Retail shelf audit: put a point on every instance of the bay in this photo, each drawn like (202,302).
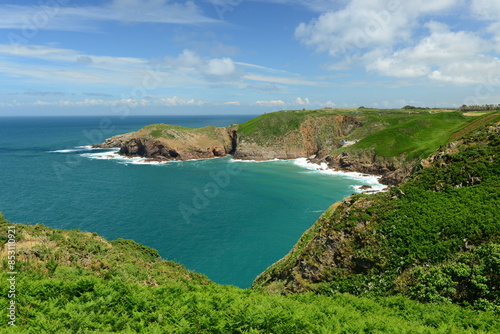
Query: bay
(226,219)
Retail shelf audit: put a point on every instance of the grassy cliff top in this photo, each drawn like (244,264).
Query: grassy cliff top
(77,282)
(390,133)
(435,238)
(169,131)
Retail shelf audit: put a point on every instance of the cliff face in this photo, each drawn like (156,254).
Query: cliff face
(166,142)
(314,136)
(326,250)
(432,238)
(325,139)
(388,143)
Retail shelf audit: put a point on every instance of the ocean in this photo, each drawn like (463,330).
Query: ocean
(223,218)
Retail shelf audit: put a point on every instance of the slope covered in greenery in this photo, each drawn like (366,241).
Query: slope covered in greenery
(436,238)
(414,138)
(390,132)
(387,142)
(76,282)
(423,257)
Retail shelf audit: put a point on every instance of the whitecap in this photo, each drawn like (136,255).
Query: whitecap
(65,151)
(108,154)
(258,161)
(112,154)
(89,148)
(368,180)
(76,149)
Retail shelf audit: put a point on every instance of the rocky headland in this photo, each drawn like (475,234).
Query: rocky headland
(170,142)
(391,144)
(321,136)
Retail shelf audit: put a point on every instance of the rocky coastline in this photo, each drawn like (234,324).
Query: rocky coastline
(321,139)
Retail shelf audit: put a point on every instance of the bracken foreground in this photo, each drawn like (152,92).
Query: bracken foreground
(423,257)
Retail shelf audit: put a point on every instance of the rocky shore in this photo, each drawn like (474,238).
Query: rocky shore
(319,139)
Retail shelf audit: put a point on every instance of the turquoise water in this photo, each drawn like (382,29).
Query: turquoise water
(226,219)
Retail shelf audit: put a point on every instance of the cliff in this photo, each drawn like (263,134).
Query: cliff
(389,143)
(434,238)
(291,135)
(67,281)
(166,142)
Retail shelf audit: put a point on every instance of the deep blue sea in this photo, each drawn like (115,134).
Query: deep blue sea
(226,219)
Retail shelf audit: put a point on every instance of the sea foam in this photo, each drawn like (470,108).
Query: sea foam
(76,149)
(369,180)
(112,154)
(257,161)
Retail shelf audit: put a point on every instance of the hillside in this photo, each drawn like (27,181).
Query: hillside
(436,238)
(389,143)
(423,257)
(166,142)
(77,282)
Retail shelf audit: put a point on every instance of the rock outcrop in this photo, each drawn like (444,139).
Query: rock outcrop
(168,142)
(116,141)
(316,136)
(392,171)
(324,250)
(322,136)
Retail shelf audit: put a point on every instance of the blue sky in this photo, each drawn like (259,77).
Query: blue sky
(68,57)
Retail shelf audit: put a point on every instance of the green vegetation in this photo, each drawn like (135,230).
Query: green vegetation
(169,131)
(75,282)
(270,126)
(436,238)
(411,133)
(423,257)
(414,137)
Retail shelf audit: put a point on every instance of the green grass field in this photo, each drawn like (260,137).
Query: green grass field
(74,282)
(415,137)
(432,245)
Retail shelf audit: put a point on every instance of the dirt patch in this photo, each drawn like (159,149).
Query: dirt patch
(473,113)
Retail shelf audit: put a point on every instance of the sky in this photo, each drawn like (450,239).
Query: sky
(88,57)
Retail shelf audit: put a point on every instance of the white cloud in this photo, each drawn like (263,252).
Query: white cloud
(486,9)
(220,67)
(54,16)
(70,56)
(232,103)
(444,56)
(366,24)
(299,101)
(66,66)
(386,39)
(215,69)
(173,101)
(270,103)
(282,80)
